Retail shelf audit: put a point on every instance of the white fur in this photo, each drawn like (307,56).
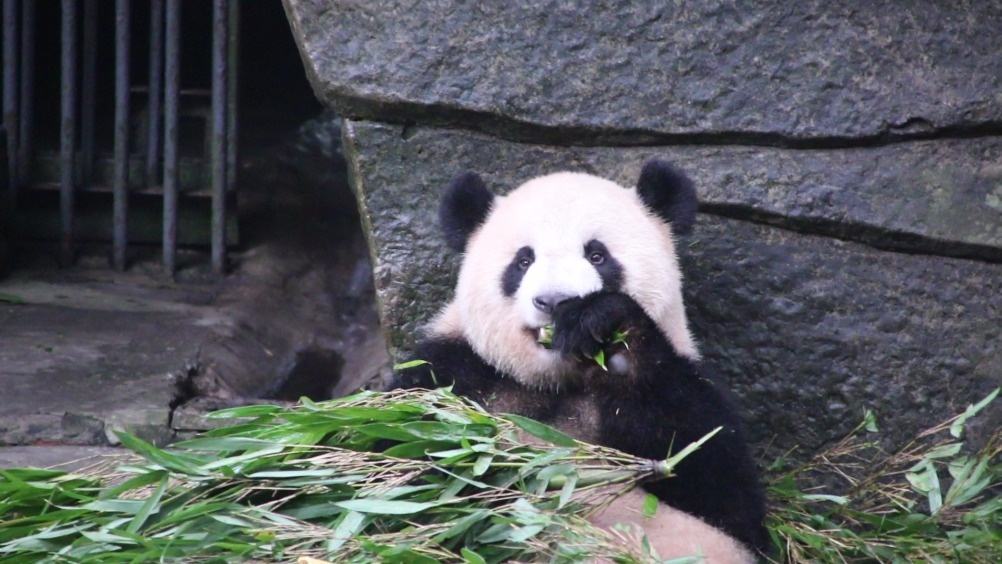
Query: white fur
(673,533)
(557,215)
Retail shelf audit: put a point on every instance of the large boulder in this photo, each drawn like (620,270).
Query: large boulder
(848,157)
(629,72)
(808,330)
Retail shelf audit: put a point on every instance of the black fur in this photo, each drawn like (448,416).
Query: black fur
(512,276)
(665,401)
(611,271)
(668,192)
(464,207)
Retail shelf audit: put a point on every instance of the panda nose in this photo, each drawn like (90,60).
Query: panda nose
(546,303)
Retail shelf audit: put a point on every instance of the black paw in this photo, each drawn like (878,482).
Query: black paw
(584,326)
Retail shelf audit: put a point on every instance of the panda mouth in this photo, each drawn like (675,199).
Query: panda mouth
(542,335)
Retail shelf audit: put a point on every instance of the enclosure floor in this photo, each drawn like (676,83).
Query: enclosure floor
(86,350)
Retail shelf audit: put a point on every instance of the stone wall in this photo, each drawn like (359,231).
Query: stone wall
(848,156)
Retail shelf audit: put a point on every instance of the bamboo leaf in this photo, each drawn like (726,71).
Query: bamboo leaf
(149,506)
(410,364)
(384,507)
(673,460)
(471,557)
(541,430)
(650,505)
(957,427)
(350,525)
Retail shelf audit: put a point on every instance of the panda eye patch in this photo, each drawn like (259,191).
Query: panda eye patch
(511,278)
(608,268)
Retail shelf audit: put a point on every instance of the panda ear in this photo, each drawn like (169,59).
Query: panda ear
(464,207)
(669,193)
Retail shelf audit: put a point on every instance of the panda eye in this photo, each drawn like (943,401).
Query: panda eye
(524,263)
(596,258)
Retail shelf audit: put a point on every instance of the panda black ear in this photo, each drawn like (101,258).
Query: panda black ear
(669,193)
(465,205)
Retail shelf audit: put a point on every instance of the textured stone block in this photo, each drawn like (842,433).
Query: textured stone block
(629,72)
(808,330)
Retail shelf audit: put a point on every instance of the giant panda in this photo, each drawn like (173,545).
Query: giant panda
(589,258)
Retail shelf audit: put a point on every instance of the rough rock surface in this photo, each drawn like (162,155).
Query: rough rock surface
(939,196)
(820,326)
(848,156)
(808,331)
(633,72)
(917,196)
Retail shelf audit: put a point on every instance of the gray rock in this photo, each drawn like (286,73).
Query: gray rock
(584,72)
(67,458)
(807,330)
(938,197)
(942,197)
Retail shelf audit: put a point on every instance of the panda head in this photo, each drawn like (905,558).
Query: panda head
(556,237)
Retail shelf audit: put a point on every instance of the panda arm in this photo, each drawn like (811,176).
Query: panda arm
(448,362)
(665,402)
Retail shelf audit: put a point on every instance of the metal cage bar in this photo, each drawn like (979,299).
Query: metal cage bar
(232,91)
(27,93)
(10,108)
(220,31)
(68,125)
(145,158)
(154,91)
(120,188)
(88,106)
(171,103)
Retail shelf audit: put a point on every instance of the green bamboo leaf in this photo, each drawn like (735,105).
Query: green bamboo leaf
(522,534)
(567,490)
(957,427)
(870,421)
(471,557)
(840,500)
(169,461)
(349,526)
(151,505)
(541,430)
(673,460)
(482,464)
(385,431)
(225,444)
(317,473)
(463,524)
(245,411)
(11,299)
(384,507)
(416,449)
(140,481)
(599,359)
(410,364)
(650,505)
(127,506)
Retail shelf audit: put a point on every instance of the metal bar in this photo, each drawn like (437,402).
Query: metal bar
(27,91)
(67,126)
(154,90)
(172,99)
(88,105)
(10,92)
(232,91)
(120,182)
(218,147)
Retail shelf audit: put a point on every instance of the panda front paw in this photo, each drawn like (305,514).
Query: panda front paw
(584,326)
